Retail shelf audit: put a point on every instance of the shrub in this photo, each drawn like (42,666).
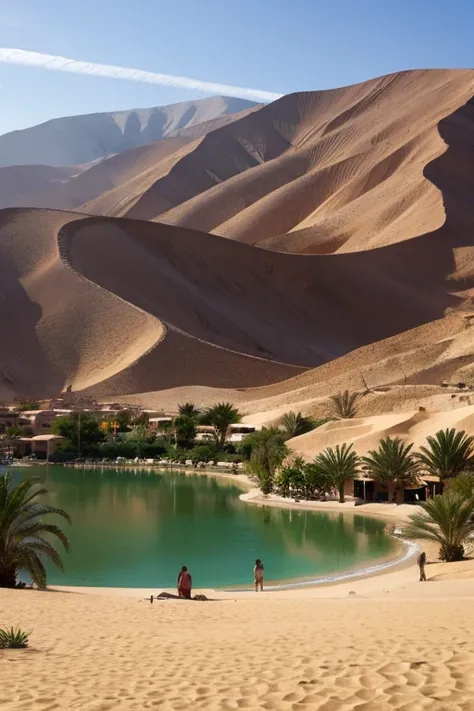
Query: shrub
(28,405)
(13,638)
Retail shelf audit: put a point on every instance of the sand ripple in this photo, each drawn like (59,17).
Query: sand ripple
(99,653)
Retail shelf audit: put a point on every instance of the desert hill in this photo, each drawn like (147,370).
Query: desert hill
(316,172)
(200,310)
(80,139)
(320,172)
(175,299)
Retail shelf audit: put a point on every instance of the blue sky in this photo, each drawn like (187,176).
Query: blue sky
(275,45)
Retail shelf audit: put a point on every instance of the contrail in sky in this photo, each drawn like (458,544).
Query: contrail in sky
(63,64)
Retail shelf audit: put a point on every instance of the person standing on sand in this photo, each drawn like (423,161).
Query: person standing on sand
(421,564)
(258,575)
(185,583)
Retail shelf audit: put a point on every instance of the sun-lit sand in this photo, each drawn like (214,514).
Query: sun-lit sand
(371,186)
(380,642)
(394,644)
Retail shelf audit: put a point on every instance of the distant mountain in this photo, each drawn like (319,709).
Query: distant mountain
(82,139)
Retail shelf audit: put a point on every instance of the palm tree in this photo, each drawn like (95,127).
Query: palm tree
(189,409)
(343,405)
(447,519)
(185,430)
(337,465)
(295,424)
(266,451)
(22,545)
(221,416)
(448,453)
(392,464)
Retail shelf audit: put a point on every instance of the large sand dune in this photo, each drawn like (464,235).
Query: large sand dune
(171,307)
(159,312)
(341,170)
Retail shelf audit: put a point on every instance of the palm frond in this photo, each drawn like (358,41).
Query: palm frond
(343,405)
(22,527)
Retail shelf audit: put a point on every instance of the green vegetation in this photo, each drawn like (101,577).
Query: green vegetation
(393,465)
(343,405)
(446,519)
(22,530)
(14,431)
(189,409)
(337,465)
(448,453)
(295,424)
(303,480)
(28,405)
(463,485)
(131,448)
(220,417)
(185,430)
(81,431)
(264,452)
(13,638)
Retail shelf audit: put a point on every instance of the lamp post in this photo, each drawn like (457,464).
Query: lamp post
(79,434)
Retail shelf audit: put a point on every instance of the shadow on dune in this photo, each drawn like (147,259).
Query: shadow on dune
(280,309)
(302,310)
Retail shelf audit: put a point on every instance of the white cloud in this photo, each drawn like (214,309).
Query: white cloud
(63,64)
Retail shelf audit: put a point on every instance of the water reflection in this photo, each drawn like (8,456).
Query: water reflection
(136,529)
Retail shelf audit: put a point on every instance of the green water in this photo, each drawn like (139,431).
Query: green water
(137,528)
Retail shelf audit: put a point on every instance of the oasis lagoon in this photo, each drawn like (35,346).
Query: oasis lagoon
(136,528)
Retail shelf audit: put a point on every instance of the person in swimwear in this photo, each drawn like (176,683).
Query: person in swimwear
(185,583)
(258,575)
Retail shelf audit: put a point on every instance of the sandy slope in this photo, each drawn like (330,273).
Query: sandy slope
(108,184)
(383,315)
(85,305)
(62,329)
(366,432)
(35,185)
(340,170)
(396,374)
(247,310)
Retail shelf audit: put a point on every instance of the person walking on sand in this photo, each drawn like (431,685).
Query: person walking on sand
(421,564)
(258,575)
(185,583)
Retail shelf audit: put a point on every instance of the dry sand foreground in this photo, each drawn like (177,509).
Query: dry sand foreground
(393,645)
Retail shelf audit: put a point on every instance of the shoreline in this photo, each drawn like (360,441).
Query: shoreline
(387,566)
(252,495)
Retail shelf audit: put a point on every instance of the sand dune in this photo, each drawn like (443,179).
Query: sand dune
(341,170)
(113,174)
(35,186)
(395,374)
(376,310)
(366,432)
(269,311)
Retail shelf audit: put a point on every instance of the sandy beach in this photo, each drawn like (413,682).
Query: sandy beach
(387,642)
(378,642)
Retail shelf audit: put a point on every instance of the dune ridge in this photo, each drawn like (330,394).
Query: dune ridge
(317,172)
(205,316)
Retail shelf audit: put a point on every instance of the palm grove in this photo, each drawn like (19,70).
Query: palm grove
(26,538)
